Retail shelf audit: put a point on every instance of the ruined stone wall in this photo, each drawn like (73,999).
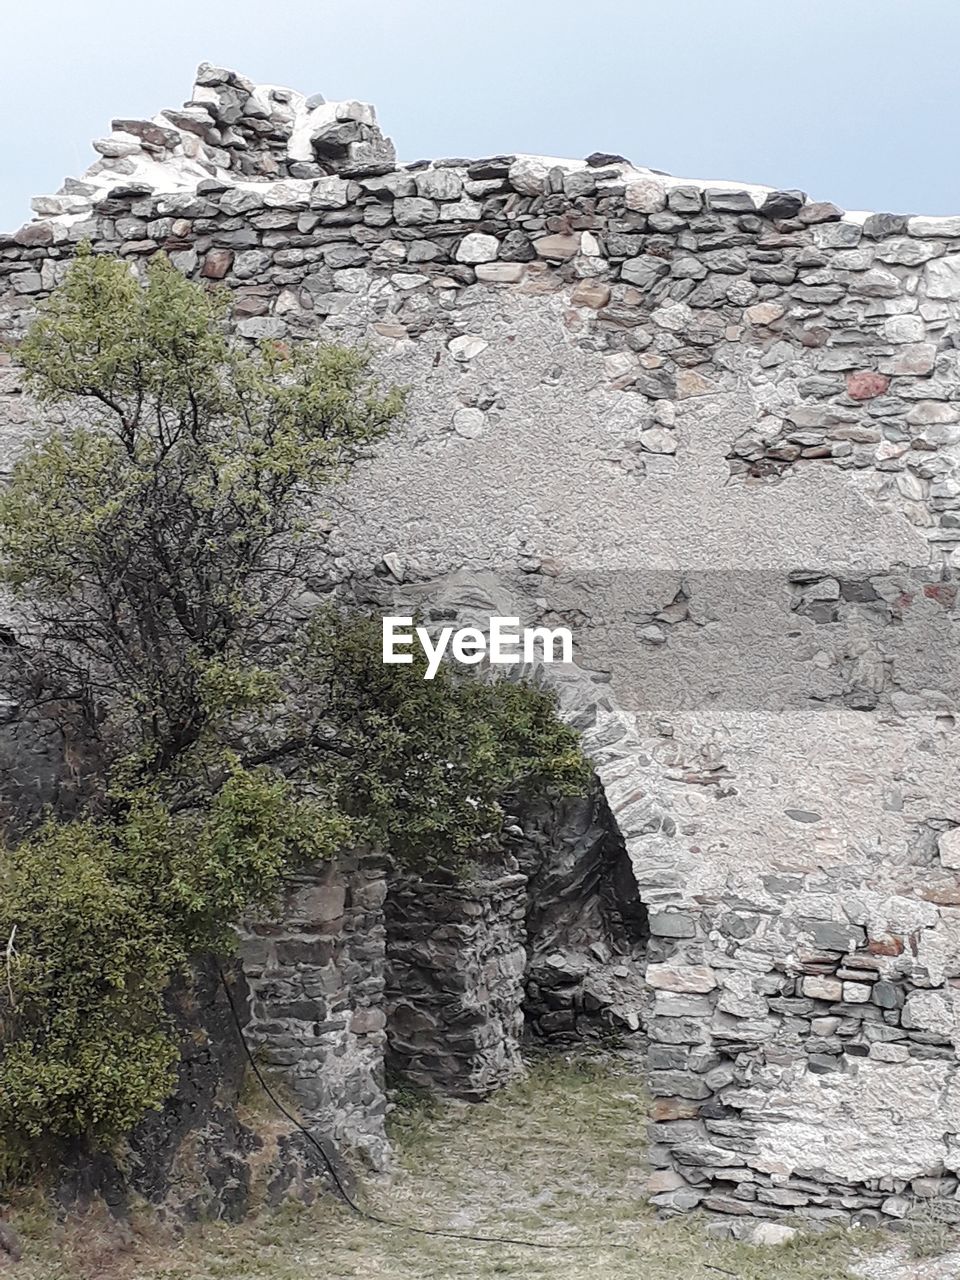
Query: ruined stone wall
(315,969)
(716,430)
(456,960)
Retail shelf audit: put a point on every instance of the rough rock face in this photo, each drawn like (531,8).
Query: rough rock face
(587,929)
(456,957)
(716,431)
(198,1158)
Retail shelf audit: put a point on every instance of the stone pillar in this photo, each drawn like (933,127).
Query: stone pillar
(455,975)
(316,976)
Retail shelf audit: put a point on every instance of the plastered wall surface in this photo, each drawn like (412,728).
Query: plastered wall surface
(714,429)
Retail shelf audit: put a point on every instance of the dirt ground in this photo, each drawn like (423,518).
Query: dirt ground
(556,1160)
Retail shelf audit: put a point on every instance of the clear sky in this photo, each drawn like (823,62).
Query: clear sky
(856,101)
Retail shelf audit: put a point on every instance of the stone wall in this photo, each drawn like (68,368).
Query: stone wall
(456,960)
(716,430)
(315,971)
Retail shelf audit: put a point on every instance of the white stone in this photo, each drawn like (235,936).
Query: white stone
(528,174)
(856,992)
(292,193)
(770,1234)
(904,329)
(439,184)
(466,347)
(589,245)
(911,486)
(675,317)
(913,359)
(948,228)
(465,210)
(469,423)
(478,247)
(843,1122)
(646,195)
(361,112)
(405,281)
(329,193)
(932,1011)
(619,362)
(586,267)
(942,277)
(656,440)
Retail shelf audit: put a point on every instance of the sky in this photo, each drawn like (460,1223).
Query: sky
(855,101)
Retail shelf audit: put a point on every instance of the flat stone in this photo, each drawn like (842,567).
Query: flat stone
(914,360)
(764,313)
(931,412)
(644,271)
(560,247)
(819,211)
(501,272)
(329,193)
(671,924)
(837,935)
(944,228)
(693,978)
(155,135)
(726,200)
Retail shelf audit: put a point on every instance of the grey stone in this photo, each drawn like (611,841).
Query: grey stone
(783,204)
(644,271)
(415,211)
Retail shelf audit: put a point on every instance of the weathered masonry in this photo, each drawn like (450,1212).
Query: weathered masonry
(715,430)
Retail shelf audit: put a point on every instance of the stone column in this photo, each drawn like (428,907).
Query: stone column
(455,975)
(316,976)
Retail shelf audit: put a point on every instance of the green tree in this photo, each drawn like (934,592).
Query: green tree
(157,538)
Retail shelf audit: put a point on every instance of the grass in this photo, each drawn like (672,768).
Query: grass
(557,1158)
(932,1228)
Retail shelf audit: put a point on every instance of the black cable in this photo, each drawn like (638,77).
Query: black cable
(388,1222)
